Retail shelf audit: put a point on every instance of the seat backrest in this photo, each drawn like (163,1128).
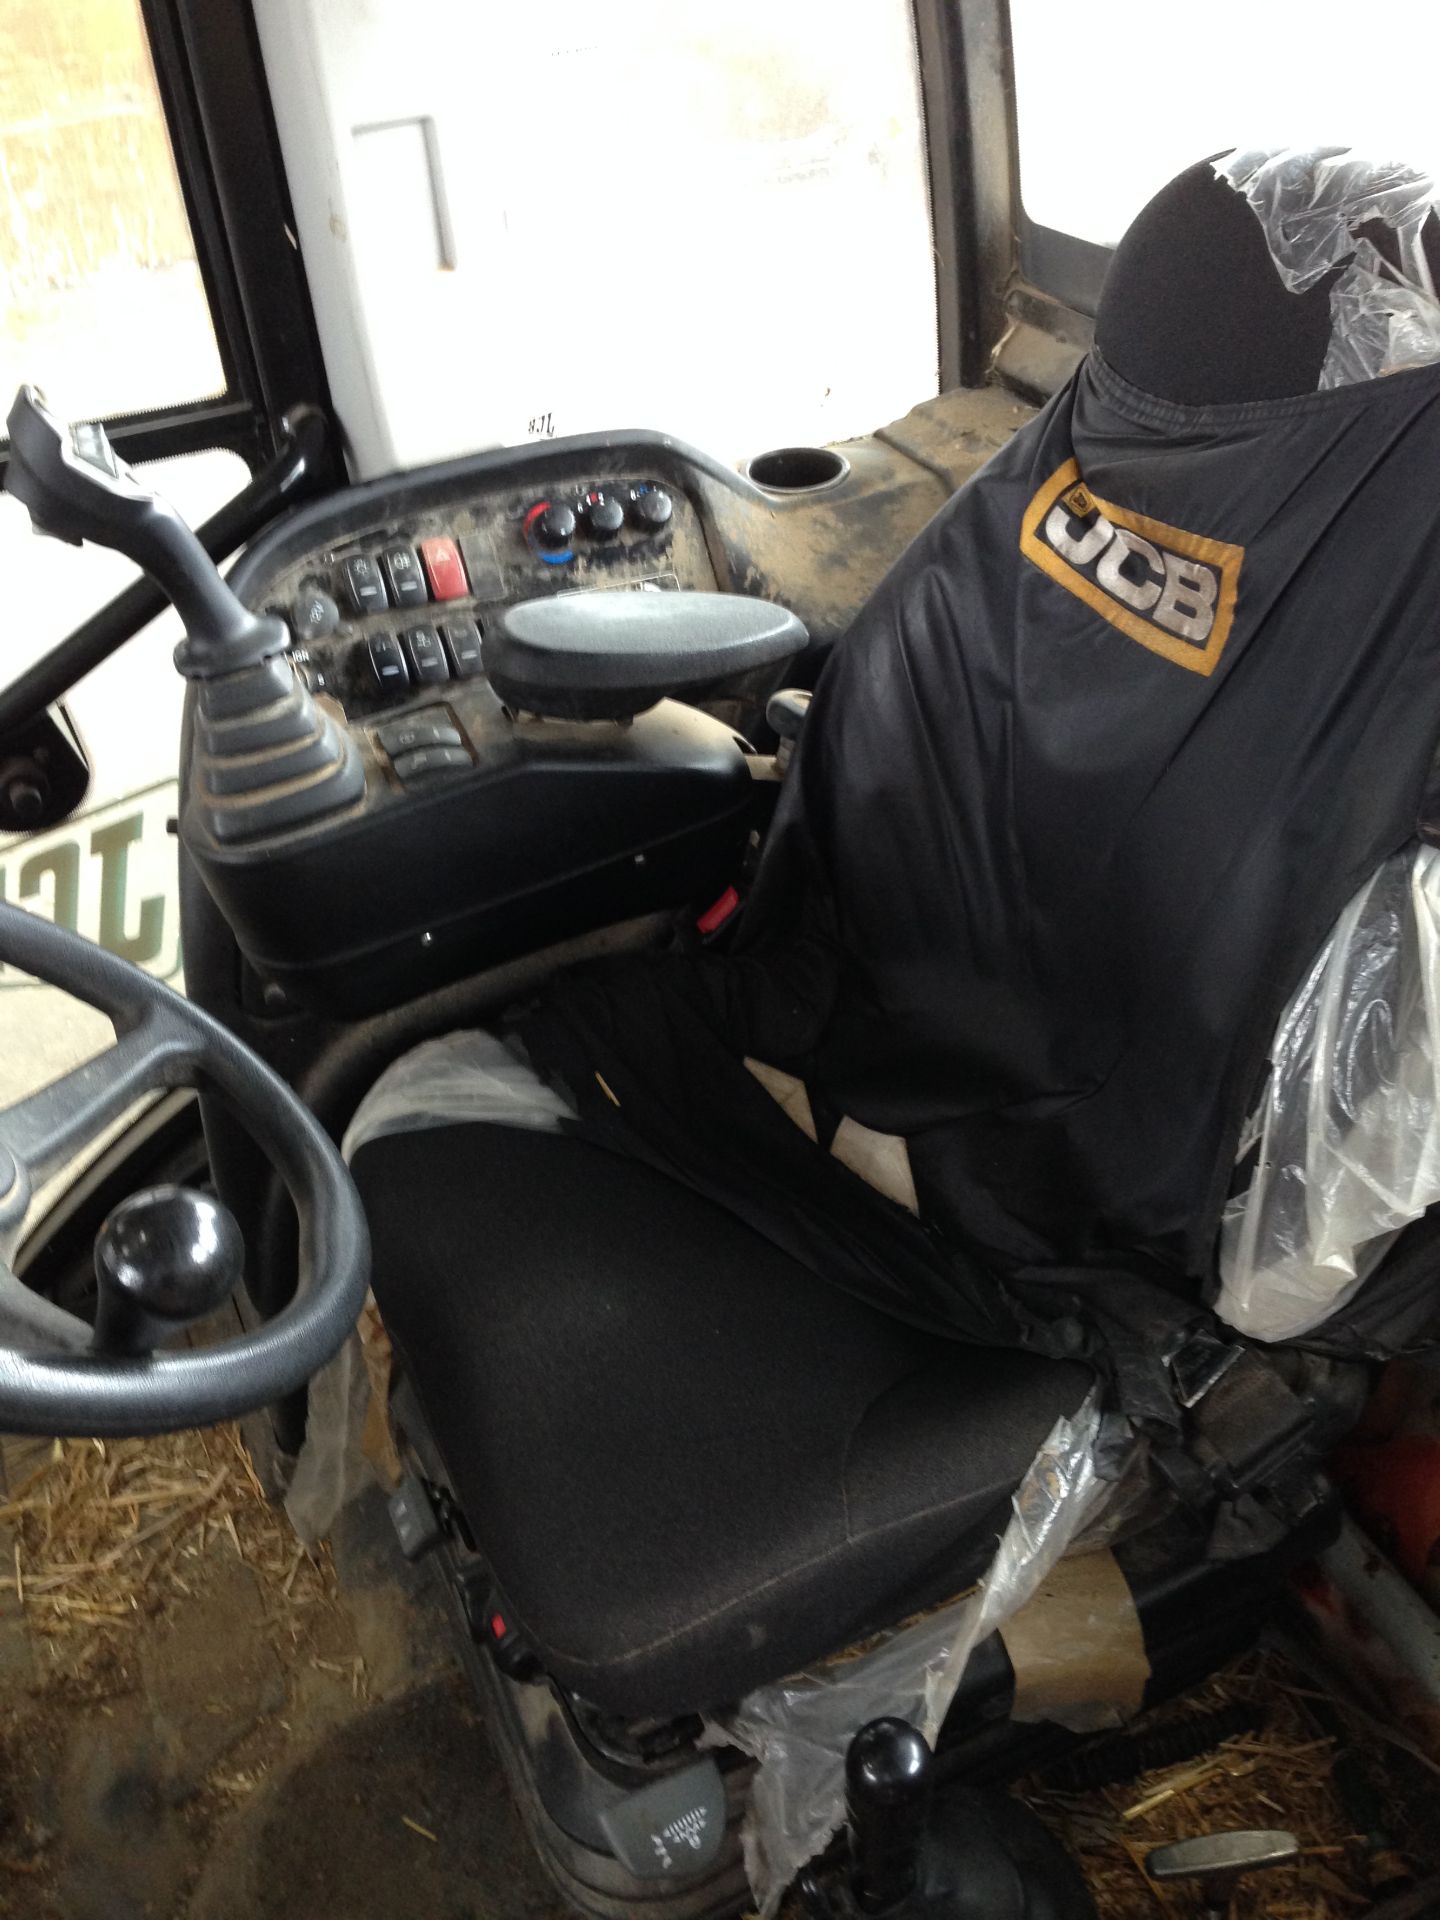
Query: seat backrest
(1096,770)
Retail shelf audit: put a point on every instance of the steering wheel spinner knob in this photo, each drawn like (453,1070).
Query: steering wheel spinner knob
(164,1259)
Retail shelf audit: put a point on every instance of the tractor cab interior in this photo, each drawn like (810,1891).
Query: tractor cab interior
(789,1057)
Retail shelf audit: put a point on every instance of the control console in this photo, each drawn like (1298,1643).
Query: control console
(483,829)
(399,610)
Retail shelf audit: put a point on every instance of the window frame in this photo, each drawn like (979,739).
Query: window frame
(1015,302)
(968,92)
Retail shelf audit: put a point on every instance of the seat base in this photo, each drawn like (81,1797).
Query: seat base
(562,1786)
(691,1465)
(1195,1614)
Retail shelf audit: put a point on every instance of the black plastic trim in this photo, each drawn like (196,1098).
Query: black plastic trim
(1070,270)
(968,86)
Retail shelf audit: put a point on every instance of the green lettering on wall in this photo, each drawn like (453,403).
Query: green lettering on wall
(62,864)
(113,844)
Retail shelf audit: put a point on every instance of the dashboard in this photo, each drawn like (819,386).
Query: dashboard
(468,833)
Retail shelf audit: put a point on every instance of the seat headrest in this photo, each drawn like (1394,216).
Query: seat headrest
(1265,273)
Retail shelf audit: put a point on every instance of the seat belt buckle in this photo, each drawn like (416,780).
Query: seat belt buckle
(1201,1360)
(1245,1431)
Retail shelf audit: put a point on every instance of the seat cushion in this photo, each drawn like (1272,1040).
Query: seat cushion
(691,1465)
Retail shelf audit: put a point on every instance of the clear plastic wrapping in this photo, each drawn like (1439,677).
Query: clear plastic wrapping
(469,1075)
(1348,1129)
(1312,203)
(799,1729)
(348,1445)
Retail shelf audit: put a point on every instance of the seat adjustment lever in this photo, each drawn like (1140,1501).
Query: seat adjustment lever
(1219,1861)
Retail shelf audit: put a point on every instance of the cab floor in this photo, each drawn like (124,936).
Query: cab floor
(199,1723)
(229,1755)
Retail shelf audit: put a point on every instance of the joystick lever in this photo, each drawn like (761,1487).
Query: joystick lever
(163,1260)
(266,759)
(77,488)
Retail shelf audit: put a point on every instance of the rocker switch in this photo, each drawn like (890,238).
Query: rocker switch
(401,567)
(387,663)
(428,662)
(462,643)
(364,587)
(444,568)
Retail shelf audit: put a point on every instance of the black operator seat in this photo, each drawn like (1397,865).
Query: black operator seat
(692,1463)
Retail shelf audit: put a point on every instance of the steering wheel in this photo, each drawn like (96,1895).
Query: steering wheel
(164,1258)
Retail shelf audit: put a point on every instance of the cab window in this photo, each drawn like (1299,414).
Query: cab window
(105,308)
(1142,92)
(714,222)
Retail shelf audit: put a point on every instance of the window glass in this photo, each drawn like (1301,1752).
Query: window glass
(101,301)
(710,220)
(1113,104)
(110,871)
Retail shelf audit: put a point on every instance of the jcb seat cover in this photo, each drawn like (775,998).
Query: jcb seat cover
(1079,795)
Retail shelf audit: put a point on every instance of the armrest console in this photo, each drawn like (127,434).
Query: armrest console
(608,656)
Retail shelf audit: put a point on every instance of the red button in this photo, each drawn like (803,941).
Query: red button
(444,568)
(715,917)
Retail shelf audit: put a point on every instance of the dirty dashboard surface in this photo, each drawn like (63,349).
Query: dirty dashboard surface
(493,833)
(630,509)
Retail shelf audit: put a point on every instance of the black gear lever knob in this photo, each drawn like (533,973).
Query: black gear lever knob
(888,1780)
(164,1259)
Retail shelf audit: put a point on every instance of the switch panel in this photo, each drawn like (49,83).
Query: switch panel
(397,609)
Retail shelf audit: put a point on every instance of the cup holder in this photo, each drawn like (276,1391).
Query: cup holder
(797,469)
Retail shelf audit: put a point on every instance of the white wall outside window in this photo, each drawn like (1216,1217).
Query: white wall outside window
(1115,101)
(524,221)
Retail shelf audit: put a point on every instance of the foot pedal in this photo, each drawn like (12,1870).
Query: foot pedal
(672,1829)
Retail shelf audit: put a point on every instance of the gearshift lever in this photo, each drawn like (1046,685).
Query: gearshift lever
(887,1798)
(163,1259)
(266,759)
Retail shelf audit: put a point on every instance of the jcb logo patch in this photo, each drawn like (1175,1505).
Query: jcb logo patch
(1172,591)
